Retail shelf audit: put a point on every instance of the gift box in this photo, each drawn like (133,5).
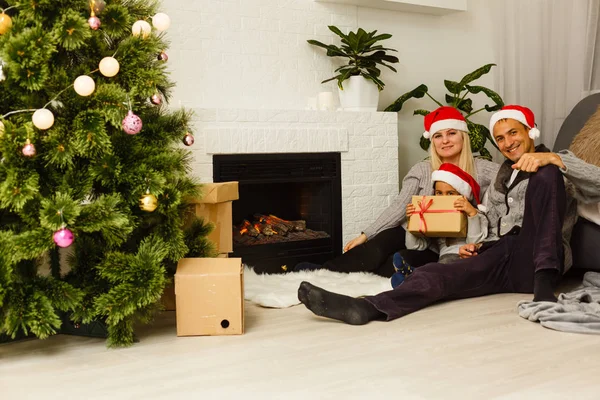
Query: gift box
(210,296)
(215,206)
(436,216)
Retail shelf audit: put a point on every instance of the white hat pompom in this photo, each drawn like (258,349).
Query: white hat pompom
(534,133)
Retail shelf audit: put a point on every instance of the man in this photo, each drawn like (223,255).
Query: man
(527,249)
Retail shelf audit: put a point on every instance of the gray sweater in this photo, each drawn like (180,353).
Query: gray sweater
(418,183)
(506,206)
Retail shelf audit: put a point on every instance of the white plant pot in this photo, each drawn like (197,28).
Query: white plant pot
(359,94)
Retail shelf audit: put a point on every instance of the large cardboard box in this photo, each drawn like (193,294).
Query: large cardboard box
(441,219)
(210,296)
(215,206)
(168,297)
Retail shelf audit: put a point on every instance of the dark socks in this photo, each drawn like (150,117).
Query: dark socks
(544,284)
(353,311)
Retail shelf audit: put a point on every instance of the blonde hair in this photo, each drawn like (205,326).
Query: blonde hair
(465,161)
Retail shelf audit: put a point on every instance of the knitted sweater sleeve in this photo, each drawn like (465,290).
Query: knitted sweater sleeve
(486,173)
(395,214)
(477,228)
(585,177)
(413,242)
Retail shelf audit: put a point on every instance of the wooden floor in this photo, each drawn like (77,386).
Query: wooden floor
(469,349)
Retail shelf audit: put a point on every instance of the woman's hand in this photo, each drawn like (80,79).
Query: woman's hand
(410,210)
(357,241)
(463,205)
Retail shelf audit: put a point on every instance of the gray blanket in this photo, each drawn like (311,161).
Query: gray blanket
(577,311)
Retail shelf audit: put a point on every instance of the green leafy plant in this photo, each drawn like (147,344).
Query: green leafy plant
(459,97)
(362,54)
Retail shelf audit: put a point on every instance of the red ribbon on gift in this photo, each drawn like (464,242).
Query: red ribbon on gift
(424,208)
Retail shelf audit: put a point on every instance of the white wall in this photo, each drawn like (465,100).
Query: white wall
(253,54)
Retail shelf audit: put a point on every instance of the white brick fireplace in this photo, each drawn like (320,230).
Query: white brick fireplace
(367,141)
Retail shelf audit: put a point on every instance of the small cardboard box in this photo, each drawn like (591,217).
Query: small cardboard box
(450,223)
(214,193)
(210,296)
(221,216)
(215,207)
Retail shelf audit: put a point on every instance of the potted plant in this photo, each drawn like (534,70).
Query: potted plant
(359,80)
(459,97)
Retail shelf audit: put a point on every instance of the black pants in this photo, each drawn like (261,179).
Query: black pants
(505,266)
(376,255)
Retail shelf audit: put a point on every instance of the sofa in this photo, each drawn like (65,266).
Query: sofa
(585,241)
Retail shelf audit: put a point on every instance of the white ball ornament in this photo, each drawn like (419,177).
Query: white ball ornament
(84,85)
(141,28)
(43,118)
(161,22)
(109,67)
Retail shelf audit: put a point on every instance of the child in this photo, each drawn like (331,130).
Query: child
(449,180)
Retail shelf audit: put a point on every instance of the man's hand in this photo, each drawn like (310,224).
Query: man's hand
(463,205)
(355,242)
(469,250)
(410,210)
(531,162)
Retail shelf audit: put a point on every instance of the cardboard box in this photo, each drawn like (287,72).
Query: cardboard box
(213,193)
(210,296)
(220,215)
(451,223)
(168,297)
(215,206)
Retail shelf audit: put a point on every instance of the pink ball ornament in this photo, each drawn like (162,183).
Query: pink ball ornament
(63,237)
(132,124)
(188,139)
(155,99)
(94,23)
(28,149)
(163,56)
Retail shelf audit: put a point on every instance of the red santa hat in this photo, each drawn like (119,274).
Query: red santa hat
(522,114)
(444,118)
(464,183)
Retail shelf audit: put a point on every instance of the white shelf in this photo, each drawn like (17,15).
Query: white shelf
(434,7)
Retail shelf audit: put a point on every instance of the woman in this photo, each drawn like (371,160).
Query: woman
(373,250)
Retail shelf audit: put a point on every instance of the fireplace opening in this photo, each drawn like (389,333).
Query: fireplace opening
(289,208)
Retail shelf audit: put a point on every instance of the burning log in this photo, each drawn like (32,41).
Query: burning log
(298,226)
(247,228)
(265,229)
(280,228)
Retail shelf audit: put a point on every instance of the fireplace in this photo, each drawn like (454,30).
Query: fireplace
(296,196)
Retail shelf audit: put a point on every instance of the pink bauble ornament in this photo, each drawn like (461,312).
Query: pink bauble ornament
(28,149)
(163,56)
(188,139)
(94,23)
(63,237)
(132,124)
(155,99)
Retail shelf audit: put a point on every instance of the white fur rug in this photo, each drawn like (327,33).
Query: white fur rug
(281,290)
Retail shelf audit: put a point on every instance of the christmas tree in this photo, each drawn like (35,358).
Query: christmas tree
(91,161)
